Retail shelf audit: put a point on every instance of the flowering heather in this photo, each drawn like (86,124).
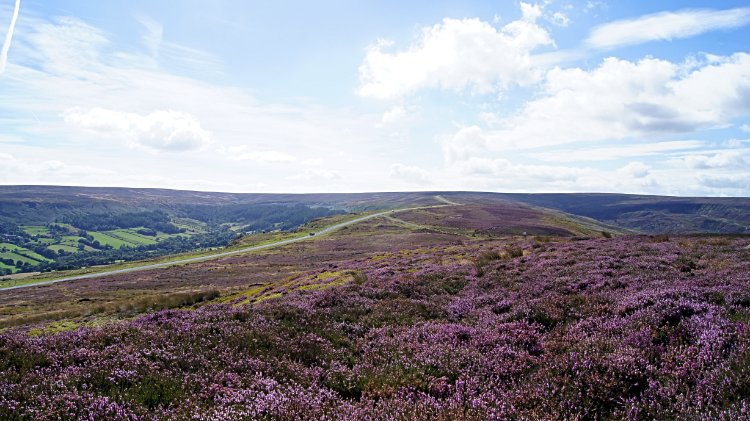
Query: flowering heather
(591,330)
(494,219)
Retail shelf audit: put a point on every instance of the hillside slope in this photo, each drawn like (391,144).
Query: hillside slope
(37,205)
(651,214)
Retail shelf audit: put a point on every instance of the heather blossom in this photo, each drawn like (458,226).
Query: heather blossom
(594,329)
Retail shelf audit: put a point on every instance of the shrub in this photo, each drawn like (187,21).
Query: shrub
(359,277)
(479,265)
(514,252)
(491,255)
(658,238)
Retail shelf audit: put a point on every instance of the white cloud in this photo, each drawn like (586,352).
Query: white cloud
(729,159)
(734,143)
(484,166)
(560,19)
(241,153)
(592,4)
(491,119)
(316,175)
(726,181)
(313,161)
(70,48)
(607,154)
(169,131)
(504,168)
(153,38)
(265,156)
(502,174)
(410,174)
(745,128)
(530,12)
(665,26)
(618,100)
(274,132)
(10,138)
(174,56)
(396,114)
(635,170)
(454,54)
(12,168)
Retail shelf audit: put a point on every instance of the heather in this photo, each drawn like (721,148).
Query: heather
(491,219)
(624,328)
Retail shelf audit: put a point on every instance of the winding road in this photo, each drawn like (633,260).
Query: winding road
(228,253)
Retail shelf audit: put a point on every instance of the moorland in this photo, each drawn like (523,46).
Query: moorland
(501,307)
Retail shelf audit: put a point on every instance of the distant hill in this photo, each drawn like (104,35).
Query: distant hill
(651,214)
(33,205)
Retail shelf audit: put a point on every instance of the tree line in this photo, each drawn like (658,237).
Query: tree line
(259,217)
(156,220)
(108,255)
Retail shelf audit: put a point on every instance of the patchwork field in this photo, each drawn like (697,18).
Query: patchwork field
(17,257)
(69,249)
(36,230)
(131,237)
(103,239)
(70,240)
(19,251)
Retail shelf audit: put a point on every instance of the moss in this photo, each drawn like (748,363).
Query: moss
(267,297)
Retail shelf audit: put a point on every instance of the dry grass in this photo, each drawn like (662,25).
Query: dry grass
(129,307)
(658,238)
(715,241)
(360,277)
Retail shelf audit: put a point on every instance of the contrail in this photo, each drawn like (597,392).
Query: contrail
(6,44)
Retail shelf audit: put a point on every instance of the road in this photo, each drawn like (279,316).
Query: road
(228,253)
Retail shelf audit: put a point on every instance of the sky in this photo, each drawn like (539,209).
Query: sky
(341,96)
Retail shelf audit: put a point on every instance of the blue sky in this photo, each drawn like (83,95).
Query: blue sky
(337,96)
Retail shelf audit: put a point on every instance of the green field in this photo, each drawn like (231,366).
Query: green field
(35,230)
(68,226)
(14,248)
(17,257)
(193,226)
(4,266)
(132,237)
(112,241)
(58,247)
(70,240)
(34,255)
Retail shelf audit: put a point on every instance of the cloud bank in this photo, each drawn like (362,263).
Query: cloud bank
(410,174)
(164,131)
(620,99)
(454,54)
